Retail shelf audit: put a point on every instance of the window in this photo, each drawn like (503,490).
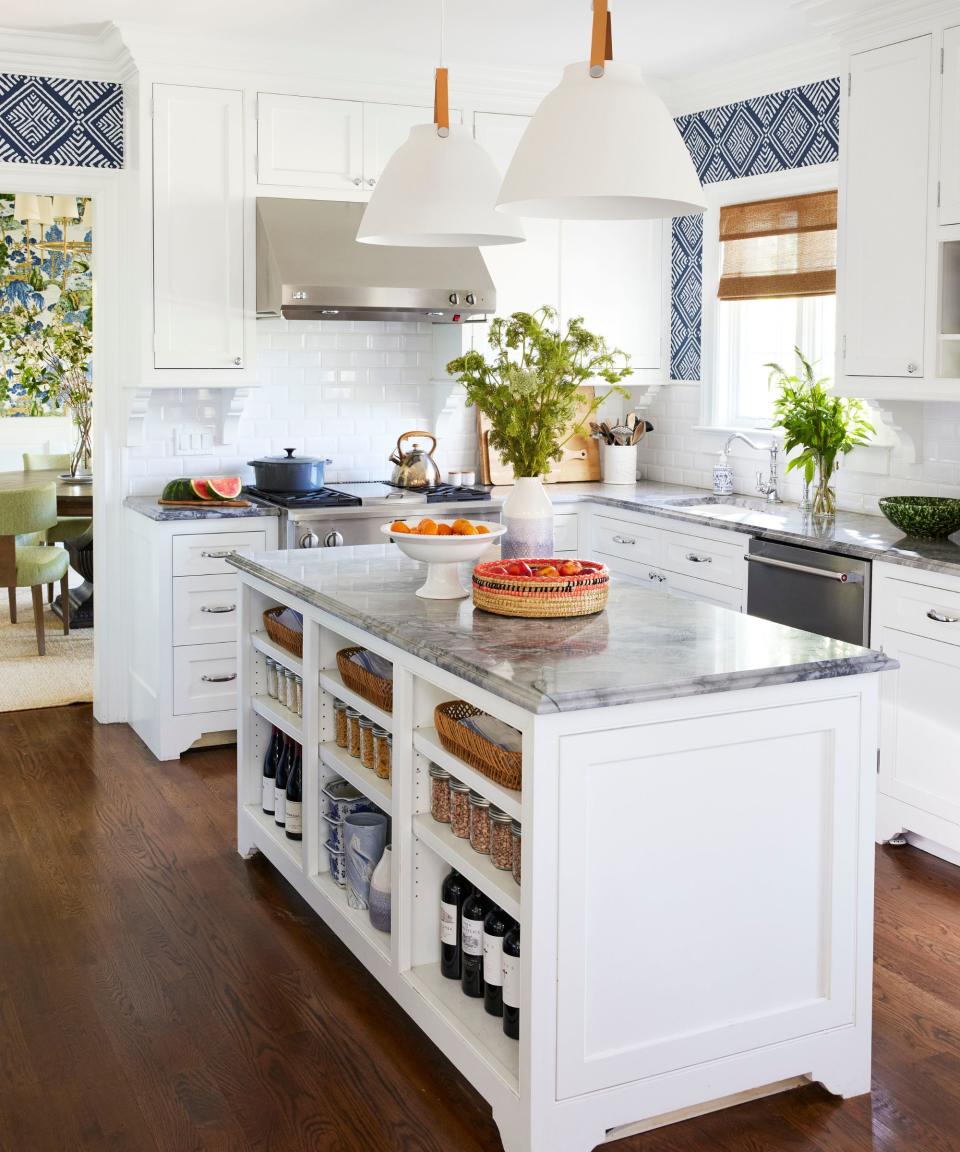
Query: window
(777,290)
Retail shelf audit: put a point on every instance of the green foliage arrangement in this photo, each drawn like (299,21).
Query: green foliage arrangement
(824,427)
(528,386)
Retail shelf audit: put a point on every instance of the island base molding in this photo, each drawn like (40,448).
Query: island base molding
(696,904)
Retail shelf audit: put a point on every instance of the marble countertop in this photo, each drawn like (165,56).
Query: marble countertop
(148,506)
(647,645)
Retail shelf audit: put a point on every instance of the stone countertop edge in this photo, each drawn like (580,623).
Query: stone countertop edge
(148,506)
(865,661)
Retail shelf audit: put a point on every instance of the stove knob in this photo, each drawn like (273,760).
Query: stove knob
(309,540)
(471,299)
(454,299)
(333,540)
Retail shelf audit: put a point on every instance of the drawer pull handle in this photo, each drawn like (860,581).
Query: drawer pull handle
(695,559)
(657,576)
(933,614)
(624,539)
(218,555)
(219,679)
(216,609)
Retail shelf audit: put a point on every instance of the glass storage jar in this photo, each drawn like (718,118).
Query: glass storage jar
(366,742)
(281,686)
(479,823)
(516,837)
(272,678)
(353,723)
(382,752)
(459,809)
(340,726)
(501,842)
(440,794)
(290,679)
(298,694)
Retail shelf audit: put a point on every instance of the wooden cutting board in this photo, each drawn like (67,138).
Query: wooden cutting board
(581,455)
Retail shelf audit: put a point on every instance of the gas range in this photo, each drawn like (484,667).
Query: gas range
(340,514)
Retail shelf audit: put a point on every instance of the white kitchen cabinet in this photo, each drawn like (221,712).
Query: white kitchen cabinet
(307,142)
(883,227)
(198,228)
(611,274)
(949,199)
(916,620)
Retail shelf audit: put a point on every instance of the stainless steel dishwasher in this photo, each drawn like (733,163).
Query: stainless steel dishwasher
(817,591)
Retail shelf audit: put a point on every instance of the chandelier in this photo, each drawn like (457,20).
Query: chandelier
(45,222)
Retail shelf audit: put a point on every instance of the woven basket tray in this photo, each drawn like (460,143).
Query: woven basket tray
(364,683)
(285,637)
(490,760)
(541,597)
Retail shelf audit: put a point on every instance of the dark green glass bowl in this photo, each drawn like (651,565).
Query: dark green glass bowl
(925,517)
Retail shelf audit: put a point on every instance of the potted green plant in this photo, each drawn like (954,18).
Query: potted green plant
(528,389)
(822,426)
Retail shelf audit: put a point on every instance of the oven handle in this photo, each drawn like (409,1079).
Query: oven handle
(806,569)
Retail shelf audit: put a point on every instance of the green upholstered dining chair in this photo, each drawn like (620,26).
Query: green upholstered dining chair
(66,527)
(24,511)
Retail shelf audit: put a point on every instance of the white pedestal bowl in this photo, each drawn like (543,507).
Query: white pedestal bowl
(443,555)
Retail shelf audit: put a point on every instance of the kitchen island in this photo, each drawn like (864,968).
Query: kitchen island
(697,810)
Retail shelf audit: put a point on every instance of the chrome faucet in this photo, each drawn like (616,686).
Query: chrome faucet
(771,486)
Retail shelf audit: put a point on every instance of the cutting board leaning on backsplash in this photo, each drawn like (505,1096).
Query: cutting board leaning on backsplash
(581,454)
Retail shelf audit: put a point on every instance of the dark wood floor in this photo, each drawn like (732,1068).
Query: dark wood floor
(159,994)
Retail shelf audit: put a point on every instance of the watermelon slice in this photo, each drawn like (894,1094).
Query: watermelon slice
(224,487)
(200,489)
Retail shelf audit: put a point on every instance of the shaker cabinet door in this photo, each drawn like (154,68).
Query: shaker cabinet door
(307,142)
(198,227)
(950,129)
(884,221)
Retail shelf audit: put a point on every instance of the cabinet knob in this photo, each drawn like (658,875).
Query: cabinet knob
(912,367)
(238,360)
(371,181)
(357,181)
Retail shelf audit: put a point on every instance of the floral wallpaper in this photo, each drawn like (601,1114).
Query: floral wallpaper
(45,309)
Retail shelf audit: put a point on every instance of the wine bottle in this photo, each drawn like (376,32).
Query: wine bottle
(495,927)
(474,913)
(293,806)
(270,759)
(452,895)
(511,983)
(280,784)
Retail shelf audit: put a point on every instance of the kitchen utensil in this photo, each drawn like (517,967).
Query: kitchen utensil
(289,473)
(923,517)
(443,555)
(416,468)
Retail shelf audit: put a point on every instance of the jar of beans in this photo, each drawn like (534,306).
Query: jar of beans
(479,823)
(382,752)
(515,835)
(366,742)
(501,844)
(340,726)
(353,725)
(439,794)
(459,809)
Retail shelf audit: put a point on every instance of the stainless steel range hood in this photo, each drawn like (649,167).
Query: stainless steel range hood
(310,267)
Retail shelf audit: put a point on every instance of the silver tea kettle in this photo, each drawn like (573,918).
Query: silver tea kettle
(416,468)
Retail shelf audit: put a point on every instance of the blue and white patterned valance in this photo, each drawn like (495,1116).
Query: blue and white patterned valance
(45,120)
(790,129)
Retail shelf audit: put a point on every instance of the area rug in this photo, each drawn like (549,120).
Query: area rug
(28,680)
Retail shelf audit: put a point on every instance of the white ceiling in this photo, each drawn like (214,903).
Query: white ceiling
(671,38)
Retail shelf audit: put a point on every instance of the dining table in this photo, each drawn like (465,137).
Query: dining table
(74,498)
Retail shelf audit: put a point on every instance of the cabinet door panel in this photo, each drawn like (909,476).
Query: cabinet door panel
(885,216)
(309,142)
(611,274)
(950,129)
(198,227)
(920,734)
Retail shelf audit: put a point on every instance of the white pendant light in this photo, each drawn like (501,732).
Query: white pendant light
(601,146)
(438,190)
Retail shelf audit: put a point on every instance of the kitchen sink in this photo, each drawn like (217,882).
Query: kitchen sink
(736,509)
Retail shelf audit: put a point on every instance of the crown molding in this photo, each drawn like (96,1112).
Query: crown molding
(855,19)
(100,56)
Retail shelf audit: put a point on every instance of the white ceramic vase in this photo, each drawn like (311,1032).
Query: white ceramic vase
(528,516)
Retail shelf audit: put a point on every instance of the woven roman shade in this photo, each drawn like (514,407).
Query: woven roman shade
(776,248)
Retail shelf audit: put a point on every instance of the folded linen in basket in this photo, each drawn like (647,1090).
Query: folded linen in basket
(494,730)
(374,664)
(290,620)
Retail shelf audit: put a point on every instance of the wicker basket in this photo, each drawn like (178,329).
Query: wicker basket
(541,596)
(364,683)
(490,760)
(287,639)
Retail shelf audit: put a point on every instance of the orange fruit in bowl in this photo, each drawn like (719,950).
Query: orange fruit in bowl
(399,526)
(463,528)
(444,530)
(428,528)
(483,530)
